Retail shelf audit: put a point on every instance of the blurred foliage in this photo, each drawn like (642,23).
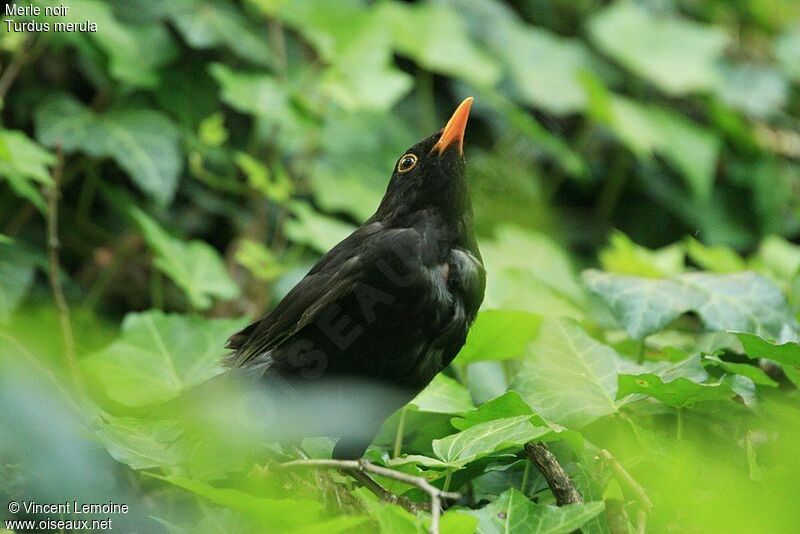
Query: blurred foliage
(208,151)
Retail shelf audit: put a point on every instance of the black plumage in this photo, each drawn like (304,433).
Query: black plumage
(389,306)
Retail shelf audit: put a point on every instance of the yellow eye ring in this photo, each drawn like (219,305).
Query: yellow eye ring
(406,163)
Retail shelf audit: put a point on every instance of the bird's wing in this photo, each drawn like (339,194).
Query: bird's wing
(329,281)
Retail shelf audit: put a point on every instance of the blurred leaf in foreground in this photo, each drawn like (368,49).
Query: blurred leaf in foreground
(159,355)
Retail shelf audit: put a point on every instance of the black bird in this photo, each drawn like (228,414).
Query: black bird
(383,311)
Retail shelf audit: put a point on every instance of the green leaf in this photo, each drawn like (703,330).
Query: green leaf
(779,257)
(158,356)
(680,392)
(718,259)
(739,301)
(208,24)
(259,260)
(24,165)
(649,130)
(759,91)
(485,439)
(194,265)
(144,143)
(391,518)
(542,67)
(569,378)
(623,256)
(787,52)
(363,76)
(136,52)
(514,512)
(532,273)
(509,404)
(677,55)
(435,37)
(358,153)
(140,443)
(444,395)
(745,369)
(261,95)
(281,513)
(16,278)
(787,354)
(499,335)
(314,229)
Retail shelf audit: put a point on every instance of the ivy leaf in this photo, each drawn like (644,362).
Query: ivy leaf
(549,82)
(391,518)
(568,377)
(676,55)
(436,38)
(739,301)
(24,165)
(717,258)
(136,51)
(207,24)
(281,513)
(650,130)
(318,231)
(787,354)
(745,369)
(194,265)
(680,392)
(444,395)
(16,278)
(623,256)
(144,143)
(262,96)
(485,439)
(509,404)
(158,356)
(531,273)
(499,335)
(140,443)
(514,512)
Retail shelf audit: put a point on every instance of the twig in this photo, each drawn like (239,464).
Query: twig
(362,466)
(52,193)
(560,484)
(398,438)
(627,480)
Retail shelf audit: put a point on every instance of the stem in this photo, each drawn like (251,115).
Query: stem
(525,474)
(52,193)
(560,484)
(448,476)
(627,480)
(398,438)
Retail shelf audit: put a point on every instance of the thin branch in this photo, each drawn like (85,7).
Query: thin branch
(560,484)
(627,480)
(52,193)
(436,495)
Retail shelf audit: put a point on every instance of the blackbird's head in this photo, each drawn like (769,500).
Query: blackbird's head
(431,173)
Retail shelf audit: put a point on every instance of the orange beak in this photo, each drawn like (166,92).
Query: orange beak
(454,130)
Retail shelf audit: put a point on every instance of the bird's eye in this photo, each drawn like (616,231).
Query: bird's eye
(406,163)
